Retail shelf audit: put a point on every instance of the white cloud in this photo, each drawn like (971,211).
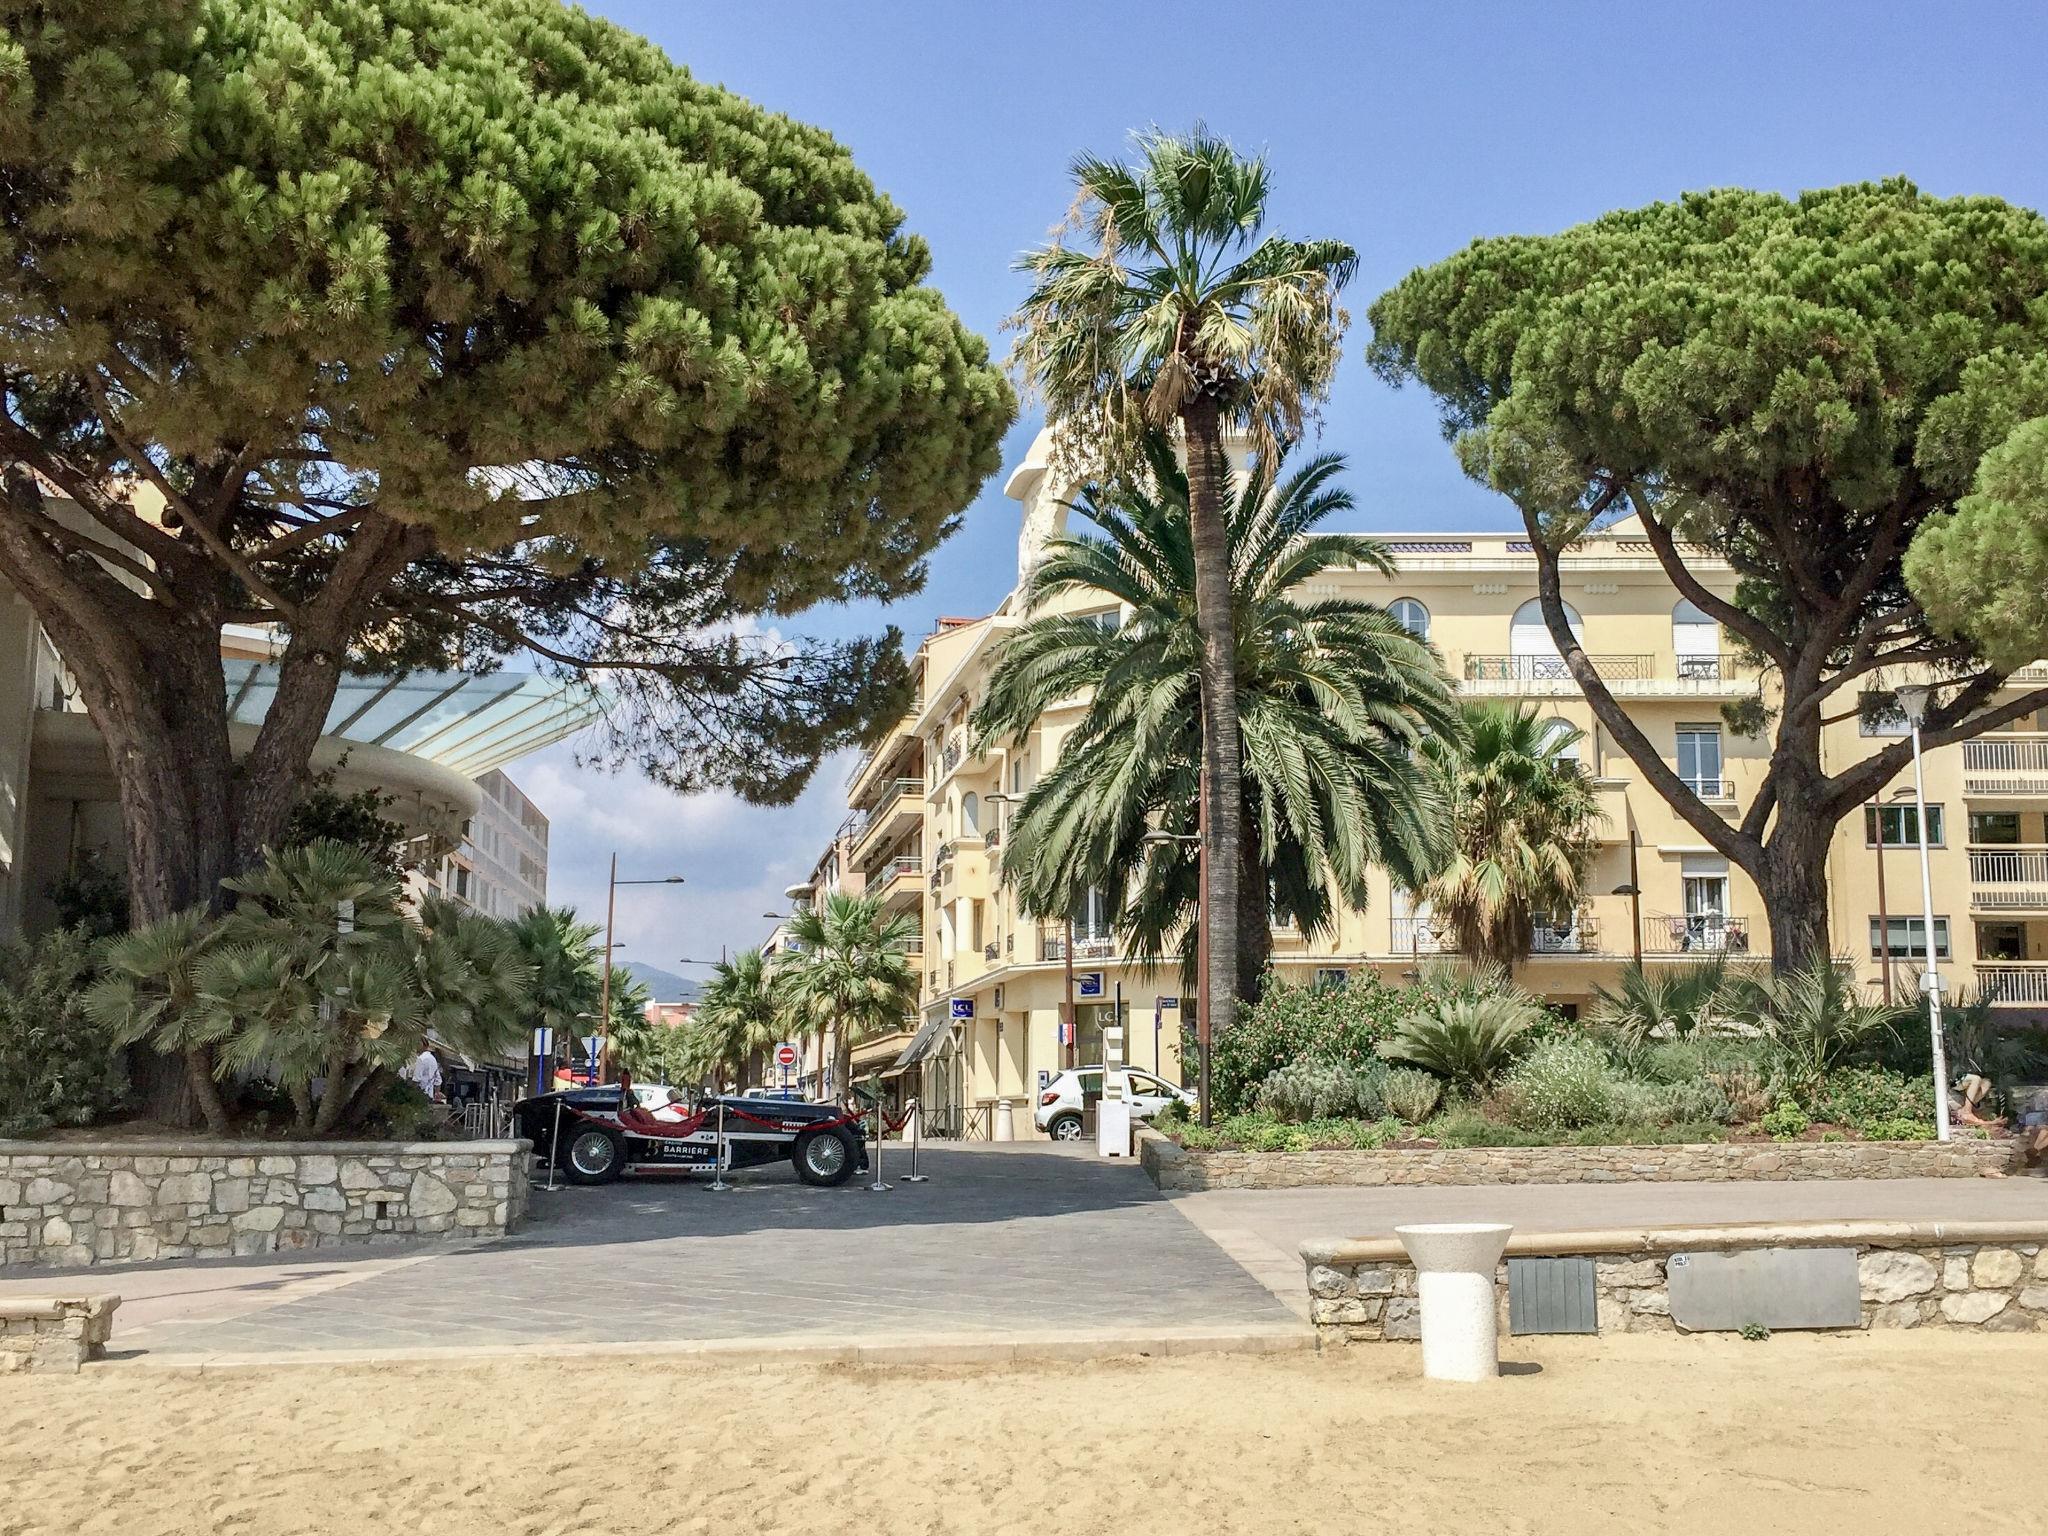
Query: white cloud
(735,858)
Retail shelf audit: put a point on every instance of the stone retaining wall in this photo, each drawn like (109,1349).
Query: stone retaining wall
(1989,1276)
(104,1202)
(56,1334)
(1175,1168)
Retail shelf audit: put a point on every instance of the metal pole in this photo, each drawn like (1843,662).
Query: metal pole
(718,1167)
(878,1186)
(1635,896)
(554,1144)
(1884,917)
(1073,1030)
(916,1139)
(1931,979)
(1202,945)
(604,1007)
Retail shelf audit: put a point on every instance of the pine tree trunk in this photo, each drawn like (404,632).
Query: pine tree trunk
(1222,764)
(1793,881)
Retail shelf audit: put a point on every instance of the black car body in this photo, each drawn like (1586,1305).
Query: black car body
(605,1134)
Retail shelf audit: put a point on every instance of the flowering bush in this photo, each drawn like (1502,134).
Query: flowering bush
(1559,1086)
(1411,1094)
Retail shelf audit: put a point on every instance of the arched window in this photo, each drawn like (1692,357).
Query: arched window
(1529,643)
(1411,616)
(1695,642)
(1565,737)
(970,814)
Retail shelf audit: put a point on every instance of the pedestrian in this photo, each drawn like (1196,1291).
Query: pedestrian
(425,1072)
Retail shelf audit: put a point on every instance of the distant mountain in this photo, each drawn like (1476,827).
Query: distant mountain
(662,986)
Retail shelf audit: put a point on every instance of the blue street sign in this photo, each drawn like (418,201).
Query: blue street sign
(1088,984)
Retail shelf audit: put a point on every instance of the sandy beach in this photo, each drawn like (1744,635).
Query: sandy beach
(1623,1435)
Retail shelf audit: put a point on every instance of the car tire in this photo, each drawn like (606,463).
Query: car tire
(826,1159)
(593,1156)
(1064,1127)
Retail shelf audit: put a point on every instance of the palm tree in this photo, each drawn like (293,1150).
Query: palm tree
(1334,699)
(1524,824)
(1176,308)
(850,975)
(567,987)
(1676,1002)
(738,1013)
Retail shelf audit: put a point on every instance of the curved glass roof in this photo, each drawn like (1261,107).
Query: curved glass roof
(464,723)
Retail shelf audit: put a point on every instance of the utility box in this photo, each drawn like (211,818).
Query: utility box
(1113,1114)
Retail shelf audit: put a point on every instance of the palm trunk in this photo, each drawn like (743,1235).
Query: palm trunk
(1254,925)
(1222,762)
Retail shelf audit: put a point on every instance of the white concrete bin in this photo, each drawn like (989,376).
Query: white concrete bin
(1454,1269)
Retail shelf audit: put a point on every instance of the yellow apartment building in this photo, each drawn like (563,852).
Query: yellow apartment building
(929,815)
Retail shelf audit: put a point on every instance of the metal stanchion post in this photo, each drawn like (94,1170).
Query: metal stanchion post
(878,1186)
(916,1140)
(554,1144)
(718,1166)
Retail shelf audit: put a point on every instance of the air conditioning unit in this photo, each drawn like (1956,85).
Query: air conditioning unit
(999,997)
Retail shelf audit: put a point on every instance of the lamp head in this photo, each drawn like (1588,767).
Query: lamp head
(1913,700)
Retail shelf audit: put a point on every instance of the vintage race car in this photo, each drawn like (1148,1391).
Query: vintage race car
(607,1133)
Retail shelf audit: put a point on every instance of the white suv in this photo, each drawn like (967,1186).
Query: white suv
(1061,1102)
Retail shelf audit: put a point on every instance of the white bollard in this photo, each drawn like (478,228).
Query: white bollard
(911,1128)
(1454,1267)
(1006,1122)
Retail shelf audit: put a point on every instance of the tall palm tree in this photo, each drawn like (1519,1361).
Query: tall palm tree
(1172,306)
(1334,697)
(850,975)
(1524,827)
(567,986)
(738,1012)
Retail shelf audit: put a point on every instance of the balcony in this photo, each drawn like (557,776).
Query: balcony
(2008,764)
(1420,936)
(2013,981)
(1689,933)
(898,884)
(1052,944)
(896,806)
(1637,675)
(2009,879)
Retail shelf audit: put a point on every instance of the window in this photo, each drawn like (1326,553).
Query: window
(1699,760)
(1907,938)
(1878,714)
(1411,616)
(2001,941)
(1990,826)
(970,814)
(1091,916)
(1331,977)
(1695,642)
(1016,775)
(1563,740)
(1530,647)
(1108,620)
(1901,826)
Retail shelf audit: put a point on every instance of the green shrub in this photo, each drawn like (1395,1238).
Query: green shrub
(1322,1090)
(1559,1086)
(1466,1041)
(1815,1018)
(57,1066)
(1858,1096)
(1904,1128)
(1410,1095)
(1698,1102)
(1786,1122)
(1291,1024)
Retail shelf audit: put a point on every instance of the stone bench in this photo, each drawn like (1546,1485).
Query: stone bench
(57,1334)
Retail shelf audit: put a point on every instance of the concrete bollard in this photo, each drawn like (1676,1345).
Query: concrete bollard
(1454,1268)
(910,1126)
(1006,1122)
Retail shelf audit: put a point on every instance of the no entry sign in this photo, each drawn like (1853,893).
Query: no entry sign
(785,1055)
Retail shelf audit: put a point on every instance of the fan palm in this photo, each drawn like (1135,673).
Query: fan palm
(1675,1002)
(1814,1016)
(147,991)
(1524,822)
(1334,699)
(738,1014)
(850,976)
(1175,308)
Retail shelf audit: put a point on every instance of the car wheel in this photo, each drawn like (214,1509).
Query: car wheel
(1064,1128)
(593,1157)
(822,1158)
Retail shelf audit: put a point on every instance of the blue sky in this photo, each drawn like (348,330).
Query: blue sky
(1406,130)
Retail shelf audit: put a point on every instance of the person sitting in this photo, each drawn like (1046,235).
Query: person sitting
(1968,1101)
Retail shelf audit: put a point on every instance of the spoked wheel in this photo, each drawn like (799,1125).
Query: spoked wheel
(1066,1128)
(823,1158)
(593,1157)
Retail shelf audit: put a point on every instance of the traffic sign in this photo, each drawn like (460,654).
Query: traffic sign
(786,1055)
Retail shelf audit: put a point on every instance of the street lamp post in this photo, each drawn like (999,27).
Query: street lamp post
(1913,699)
(611,907)
(1634,892)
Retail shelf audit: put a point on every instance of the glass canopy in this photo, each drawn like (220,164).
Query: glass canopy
(464,723)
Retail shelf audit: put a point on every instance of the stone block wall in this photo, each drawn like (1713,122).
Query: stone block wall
(1936,1277)
(1175,1168)
(55,1334)
(104,1202)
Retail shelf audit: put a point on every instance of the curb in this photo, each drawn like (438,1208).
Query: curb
(794,1349)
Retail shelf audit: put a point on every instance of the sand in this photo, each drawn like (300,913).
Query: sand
(1639,1435)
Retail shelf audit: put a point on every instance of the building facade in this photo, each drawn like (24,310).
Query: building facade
(930,813)
(500,865)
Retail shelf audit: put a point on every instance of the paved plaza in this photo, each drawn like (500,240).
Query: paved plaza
(1002,1242)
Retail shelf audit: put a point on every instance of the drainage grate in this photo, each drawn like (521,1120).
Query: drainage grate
(1551,1296)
